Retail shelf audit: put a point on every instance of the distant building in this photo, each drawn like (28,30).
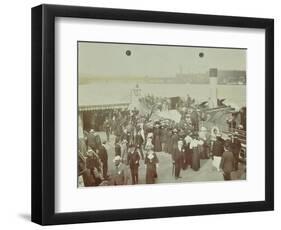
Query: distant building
(229,77)
(225,77)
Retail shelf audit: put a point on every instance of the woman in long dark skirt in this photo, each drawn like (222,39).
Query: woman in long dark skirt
(151,161)
(187,157)
(156,138)
(188,151)
(195,165)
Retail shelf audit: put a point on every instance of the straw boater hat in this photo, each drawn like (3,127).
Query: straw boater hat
(117,158)
(90,151)
(150,155)
(203,129)
(180,140)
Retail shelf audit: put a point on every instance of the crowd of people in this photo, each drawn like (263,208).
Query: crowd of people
(137,138)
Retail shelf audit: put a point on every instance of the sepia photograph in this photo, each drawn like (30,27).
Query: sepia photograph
(152,114)
(130,105)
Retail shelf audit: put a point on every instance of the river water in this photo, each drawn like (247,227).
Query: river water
(234,94)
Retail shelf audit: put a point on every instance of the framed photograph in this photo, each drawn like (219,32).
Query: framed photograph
(145,114)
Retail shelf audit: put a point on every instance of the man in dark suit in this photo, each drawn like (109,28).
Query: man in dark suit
(133,161)
(195,120)
(231,122)
(139,142)
(93,164)
(218,146)
(102,153)
(235,148)
(117,147)
(227,162)
(177,158)
(174,140)
(94,140)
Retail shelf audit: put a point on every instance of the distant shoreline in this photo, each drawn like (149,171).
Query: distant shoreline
(98,81)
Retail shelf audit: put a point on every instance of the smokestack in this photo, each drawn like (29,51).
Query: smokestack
(213,75)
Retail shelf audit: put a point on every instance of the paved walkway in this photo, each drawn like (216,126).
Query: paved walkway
(206,173)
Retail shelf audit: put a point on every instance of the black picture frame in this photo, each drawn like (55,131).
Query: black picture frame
(43,113)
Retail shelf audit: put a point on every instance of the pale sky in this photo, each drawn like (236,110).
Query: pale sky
(106,59)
